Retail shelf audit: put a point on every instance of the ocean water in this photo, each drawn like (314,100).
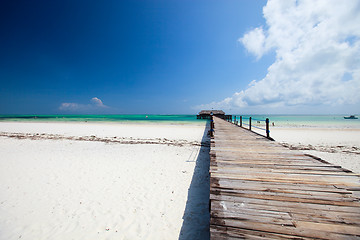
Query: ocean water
(303,121)
(103,118)
(325,121)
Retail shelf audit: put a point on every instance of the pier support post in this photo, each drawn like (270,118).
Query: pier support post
(267,128)
(212,125)
(240,121)
(249,123)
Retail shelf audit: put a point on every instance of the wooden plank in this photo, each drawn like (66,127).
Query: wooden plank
(306,176)
(255,159)
(270,162)
(289,222)
(215,163)
(244,170)
(277,204)
(340,183)
(291,179)
(289,192)
(320,215)
(299,231)
(286,198)
(333,197)
(271,186)
(221,232)
(327,227)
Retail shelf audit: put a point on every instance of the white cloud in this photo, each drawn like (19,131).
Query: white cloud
(70,106)
(254,42)
(97,102)
(95,105)
(317,46)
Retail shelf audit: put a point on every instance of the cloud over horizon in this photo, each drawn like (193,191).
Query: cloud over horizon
(317,47)
(95,105)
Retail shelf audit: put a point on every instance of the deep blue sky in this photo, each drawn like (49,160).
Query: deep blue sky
(160,57)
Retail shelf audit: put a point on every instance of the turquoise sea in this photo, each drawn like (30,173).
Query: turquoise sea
(305,121)
(102,118)
(328,121)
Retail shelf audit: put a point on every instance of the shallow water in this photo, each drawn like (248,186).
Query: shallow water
(103,118)
(303,121)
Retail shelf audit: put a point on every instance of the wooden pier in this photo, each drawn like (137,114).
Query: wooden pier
(262,190)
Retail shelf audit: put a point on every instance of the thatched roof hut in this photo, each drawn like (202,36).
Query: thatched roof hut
(212,112)
(206,114)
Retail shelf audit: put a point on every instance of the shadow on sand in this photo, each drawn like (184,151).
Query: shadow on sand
(196,219)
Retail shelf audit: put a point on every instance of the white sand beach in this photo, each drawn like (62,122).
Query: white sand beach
(339,146)
(103,181)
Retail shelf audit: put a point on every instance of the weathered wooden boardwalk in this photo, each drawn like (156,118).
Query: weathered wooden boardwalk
(262,190)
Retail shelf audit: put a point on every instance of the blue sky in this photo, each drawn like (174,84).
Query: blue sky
(163,57)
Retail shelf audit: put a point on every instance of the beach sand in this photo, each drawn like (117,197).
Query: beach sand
(103,181)
(334,145)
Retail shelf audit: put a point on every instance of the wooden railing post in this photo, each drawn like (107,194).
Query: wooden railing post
(212,125)
(267,128)
(240,121)
(249,123)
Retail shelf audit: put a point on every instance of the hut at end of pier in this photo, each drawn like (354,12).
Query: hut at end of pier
(206,114)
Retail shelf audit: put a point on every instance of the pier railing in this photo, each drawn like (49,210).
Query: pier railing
(250,123)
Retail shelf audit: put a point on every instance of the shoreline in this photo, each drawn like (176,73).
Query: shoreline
(105,129)
(125,122)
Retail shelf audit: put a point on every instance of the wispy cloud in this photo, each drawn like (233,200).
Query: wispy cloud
(317,46)
(98,103)
(95,105)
